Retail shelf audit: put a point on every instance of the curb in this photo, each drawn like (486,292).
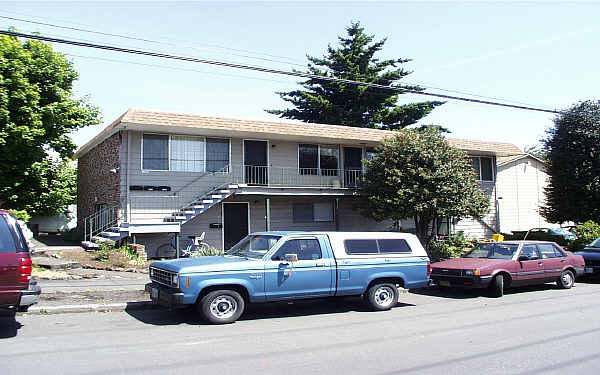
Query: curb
(41,310)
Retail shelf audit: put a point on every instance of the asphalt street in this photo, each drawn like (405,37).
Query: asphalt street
(536,330)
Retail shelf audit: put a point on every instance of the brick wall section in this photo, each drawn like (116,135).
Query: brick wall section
(95,183)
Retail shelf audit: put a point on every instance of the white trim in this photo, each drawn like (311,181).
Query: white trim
(223,220)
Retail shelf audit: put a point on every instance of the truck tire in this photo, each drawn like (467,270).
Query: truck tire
(221,306)
(497,286)
(382,296)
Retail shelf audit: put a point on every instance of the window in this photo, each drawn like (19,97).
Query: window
(11,239)
(530,251)
(393,246)
(318,159)
(549,251)
(312,212)
(484,168)
(181,153)
(377,246)
(306,249)
(370,153)
(361,246)
(217,155)
(155,152)
(187,154)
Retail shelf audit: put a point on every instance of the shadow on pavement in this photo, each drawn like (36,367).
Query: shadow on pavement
(445,292)
(588,279)
(163,316)
(55,239)
(8,325)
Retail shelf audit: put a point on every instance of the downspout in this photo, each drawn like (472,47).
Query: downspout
(127,178)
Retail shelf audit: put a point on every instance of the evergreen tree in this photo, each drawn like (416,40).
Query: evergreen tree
(573,149)
(349,104)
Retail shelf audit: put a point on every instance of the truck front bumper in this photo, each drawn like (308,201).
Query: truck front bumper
(165,296)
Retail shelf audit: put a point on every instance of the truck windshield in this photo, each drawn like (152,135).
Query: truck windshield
(254,246)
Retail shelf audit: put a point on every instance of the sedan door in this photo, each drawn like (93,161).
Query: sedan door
(554,261)
(529,271)
(311,276)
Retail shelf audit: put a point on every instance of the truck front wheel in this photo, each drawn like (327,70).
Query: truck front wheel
(221,306)
(382,296)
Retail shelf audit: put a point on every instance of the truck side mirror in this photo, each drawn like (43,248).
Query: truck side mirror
(291,258)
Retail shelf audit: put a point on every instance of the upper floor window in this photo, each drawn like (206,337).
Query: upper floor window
(179,153)
(484,168)
(318,159)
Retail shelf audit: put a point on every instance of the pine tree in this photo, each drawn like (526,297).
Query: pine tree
(349,104)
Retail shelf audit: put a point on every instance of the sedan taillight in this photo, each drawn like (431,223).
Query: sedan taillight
(25,269)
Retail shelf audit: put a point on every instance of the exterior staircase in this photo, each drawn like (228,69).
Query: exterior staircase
(204,202)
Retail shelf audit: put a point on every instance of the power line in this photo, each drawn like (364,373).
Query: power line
(424,85)
(157,41)
(265,70)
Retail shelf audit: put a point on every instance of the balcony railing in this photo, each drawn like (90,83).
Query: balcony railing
(153,206)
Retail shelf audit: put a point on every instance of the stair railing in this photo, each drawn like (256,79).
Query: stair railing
(100,221)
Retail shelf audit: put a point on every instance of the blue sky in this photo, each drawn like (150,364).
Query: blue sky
(540,53)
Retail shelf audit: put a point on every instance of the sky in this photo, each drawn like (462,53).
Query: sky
(543,54)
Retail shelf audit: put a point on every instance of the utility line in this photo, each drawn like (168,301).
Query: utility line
(428,86)
(157,41)
(265,70)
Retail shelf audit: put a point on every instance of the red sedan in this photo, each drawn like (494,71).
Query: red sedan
(500,265)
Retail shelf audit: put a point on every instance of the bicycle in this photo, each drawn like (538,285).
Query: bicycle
(194,245)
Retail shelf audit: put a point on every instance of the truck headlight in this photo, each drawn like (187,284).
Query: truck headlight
(151,272)
(175,280)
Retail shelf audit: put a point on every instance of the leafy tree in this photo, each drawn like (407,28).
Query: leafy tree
(573,148)
(418,175)
(349,104)
(37,113)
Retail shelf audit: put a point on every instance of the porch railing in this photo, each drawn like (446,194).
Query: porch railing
(155,206)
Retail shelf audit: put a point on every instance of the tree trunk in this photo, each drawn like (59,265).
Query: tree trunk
(422,230)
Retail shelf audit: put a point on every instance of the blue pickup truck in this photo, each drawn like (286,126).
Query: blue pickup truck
(276,266)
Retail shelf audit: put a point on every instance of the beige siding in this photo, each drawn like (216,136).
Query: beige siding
(521,185)
(352,221)
(481,228)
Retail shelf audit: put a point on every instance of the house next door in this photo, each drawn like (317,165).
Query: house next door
(352,166)
(235,223)
(256,169)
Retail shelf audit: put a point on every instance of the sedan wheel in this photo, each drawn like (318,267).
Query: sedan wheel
(566,280)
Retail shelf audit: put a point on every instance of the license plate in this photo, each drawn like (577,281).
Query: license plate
(154,293)
(444,283)
(589,270)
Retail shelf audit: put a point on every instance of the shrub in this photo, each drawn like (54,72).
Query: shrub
(586,233)
(106,249)
(207,252)
(21,215)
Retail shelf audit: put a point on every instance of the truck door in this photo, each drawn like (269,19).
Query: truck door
(311,276)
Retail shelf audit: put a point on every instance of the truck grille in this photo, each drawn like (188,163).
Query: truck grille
(162,276)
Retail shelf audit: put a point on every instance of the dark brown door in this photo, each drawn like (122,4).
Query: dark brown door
(256,170)
(352,166)
(235,223)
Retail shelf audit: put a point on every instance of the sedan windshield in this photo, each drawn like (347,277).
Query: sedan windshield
(253,246)
(493,251)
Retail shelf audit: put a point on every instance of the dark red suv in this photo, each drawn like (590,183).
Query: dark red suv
(15,262)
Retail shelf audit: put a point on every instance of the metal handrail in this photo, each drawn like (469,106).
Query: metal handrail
(100,221)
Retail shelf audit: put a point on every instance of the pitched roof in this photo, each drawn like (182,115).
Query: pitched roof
(507,159)
(135,119)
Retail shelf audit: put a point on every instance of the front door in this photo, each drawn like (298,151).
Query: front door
(529,271)
(256,169)
(235,223)
(311,276)
(352,166)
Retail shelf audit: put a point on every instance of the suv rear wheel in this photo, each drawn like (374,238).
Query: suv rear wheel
(221,306)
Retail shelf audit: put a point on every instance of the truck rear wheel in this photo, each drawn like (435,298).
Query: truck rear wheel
(382,296)
(221,306)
